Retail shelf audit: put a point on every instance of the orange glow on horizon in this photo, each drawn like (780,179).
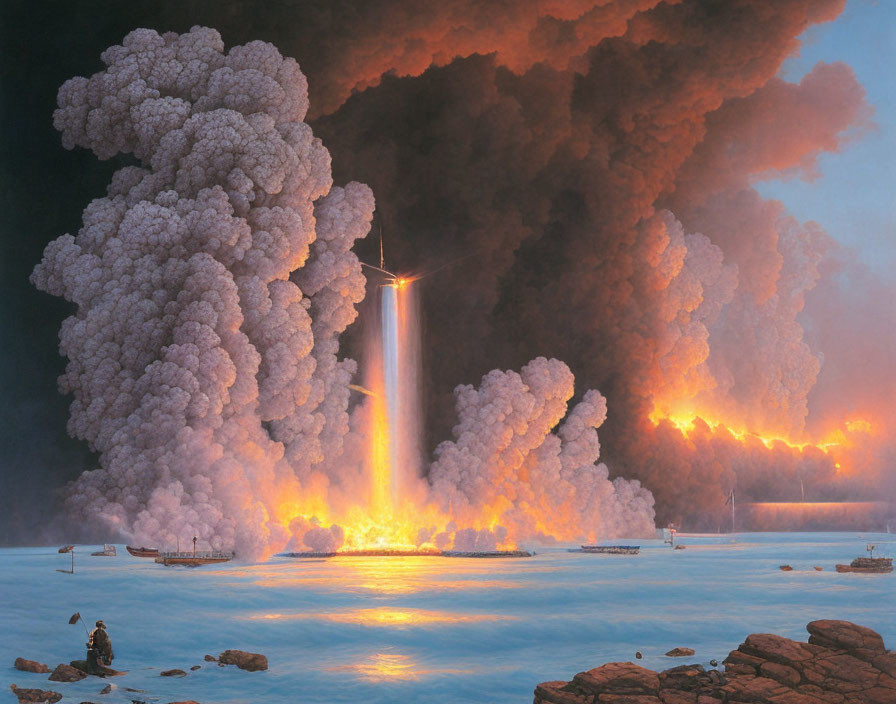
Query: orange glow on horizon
(832,443)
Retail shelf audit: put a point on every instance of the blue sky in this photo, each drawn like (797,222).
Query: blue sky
(854,197)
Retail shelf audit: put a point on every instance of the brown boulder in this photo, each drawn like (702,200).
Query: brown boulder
(253,662)
(784,651)
(195,667)
(842,664)
(211,658)
(172,673)
(67,673)
(680,652)
(35,695)
(686,678)
(30,666)
(557,693)
(780,673)
(618,678)
(843,635)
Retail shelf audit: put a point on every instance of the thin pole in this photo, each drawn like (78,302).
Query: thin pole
(732,511)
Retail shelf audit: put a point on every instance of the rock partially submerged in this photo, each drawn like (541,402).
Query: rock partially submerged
(67,673)
(842,663)
(30,666)
(173,673)
(680,652)
(35,695)
(253,662)
(99,670)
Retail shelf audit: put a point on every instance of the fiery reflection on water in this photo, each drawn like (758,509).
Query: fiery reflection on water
(392,666)
(389,575)
(386,616)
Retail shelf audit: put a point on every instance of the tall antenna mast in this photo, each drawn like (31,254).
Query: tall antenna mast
(382,258)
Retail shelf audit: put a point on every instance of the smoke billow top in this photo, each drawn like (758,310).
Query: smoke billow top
(211,284)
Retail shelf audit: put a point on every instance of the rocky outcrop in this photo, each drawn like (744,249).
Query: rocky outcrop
(35,695)
(680,653)
(253,662)
(841,664)
(67,673)
(30,666)
(173,673)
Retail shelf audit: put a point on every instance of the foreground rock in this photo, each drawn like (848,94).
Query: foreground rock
(67,673)
(35,695)
(841,664)
(30,666)
(253,662)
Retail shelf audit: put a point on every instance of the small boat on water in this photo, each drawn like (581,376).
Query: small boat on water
(107,551)
(610,549)
(142,552)
(870,565)
(193,559)
(486,553)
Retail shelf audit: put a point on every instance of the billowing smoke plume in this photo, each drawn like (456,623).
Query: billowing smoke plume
(211,284)
(591,163)
(505,462)
(602,200)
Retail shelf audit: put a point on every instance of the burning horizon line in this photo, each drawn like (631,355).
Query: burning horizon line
(686,423)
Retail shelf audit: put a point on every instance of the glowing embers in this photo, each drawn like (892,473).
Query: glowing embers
(387,617)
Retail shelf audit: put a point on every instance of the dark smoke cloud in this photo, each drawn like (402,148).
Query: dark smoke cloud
(609,221)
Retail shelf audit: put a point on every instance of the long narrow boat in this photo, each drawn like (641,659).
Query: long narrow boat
(610,549)
(193,559)
(869,565)
(143,552)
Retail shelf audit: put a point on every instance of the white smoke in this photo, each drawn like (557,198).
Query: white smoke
(211,285)
(507,464)
(196,280)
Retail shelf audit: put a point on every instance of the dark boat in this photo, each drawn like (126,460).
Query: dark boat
(870,565)
(192,559)
(401,552)
(610,549)
(143,552)
(486,553)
